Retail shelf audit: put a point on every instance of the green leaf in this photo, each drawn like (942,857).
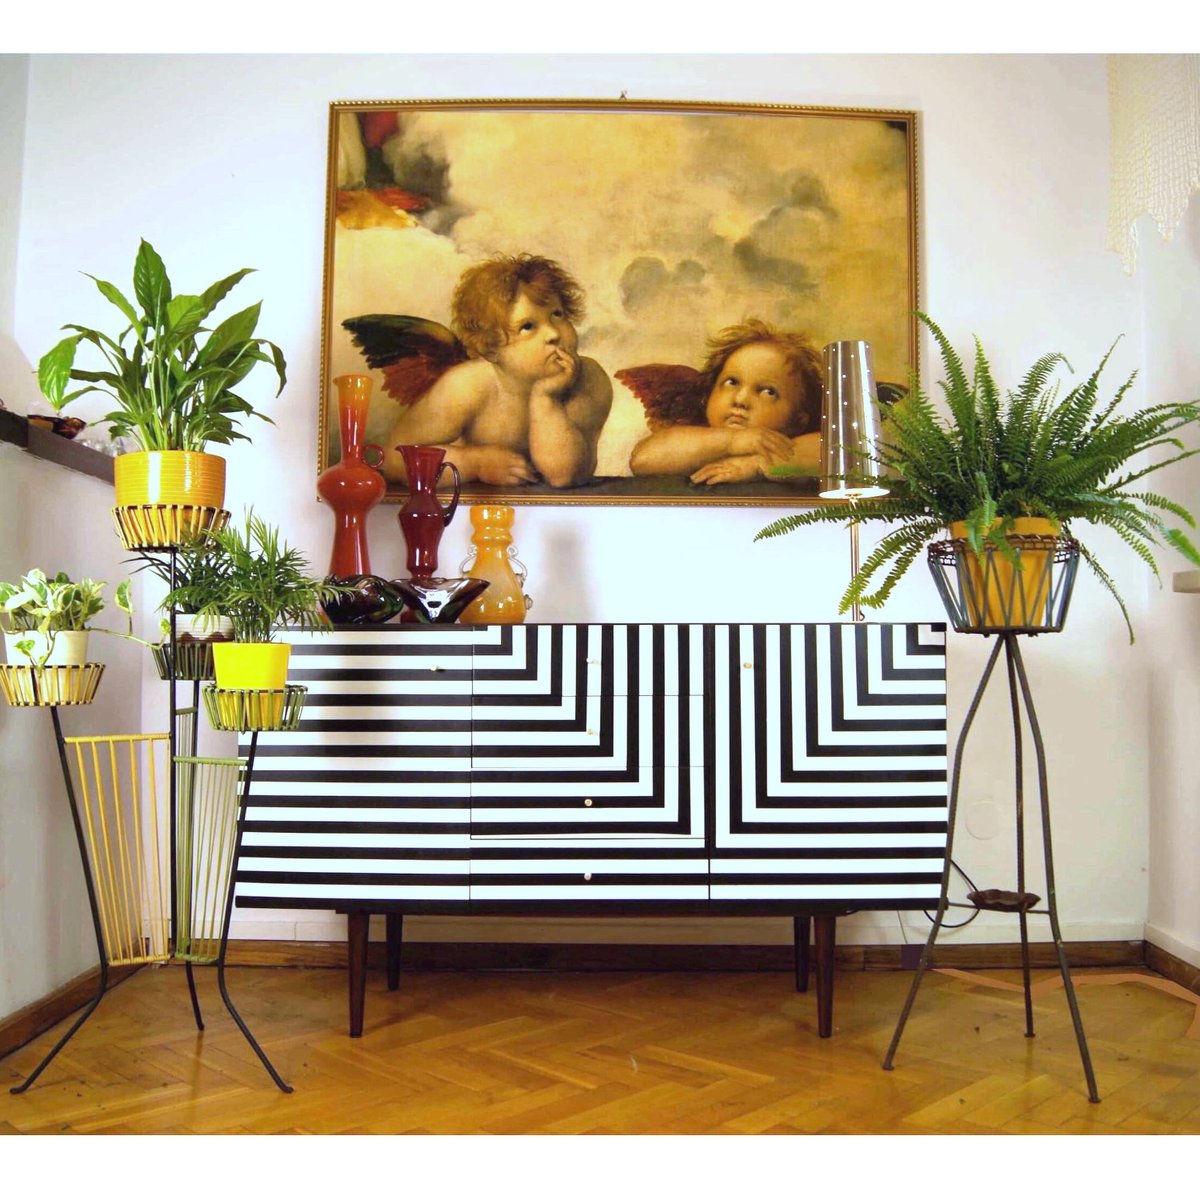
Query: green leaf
(54,371)
(184,314)
(150,283)
(115,296)
(217,292)
(231,335)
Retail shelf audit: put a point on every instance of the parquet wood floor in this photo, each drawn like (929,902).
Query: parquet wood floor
(505,1052)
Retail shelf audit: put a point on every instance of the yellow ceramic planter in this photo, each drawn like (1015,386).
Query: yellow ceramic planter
(170,477)
(998,594)
(251,666)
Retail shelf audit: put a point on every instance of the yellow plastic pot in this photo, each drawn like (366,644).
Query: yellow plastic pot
(998,594)
(185,477)
(251,666)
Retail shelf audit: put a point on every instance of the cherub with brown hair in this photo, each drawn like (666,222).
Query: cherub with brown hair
(754,404)
(506,395)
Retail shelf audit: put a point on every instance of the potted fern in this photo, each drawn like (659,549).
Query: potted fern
(1003,468)
(175,383)
(261,584)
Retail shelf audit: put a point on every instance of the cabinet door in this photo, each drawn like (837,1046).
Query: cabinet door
(369,800)
(829,757)
(588,731)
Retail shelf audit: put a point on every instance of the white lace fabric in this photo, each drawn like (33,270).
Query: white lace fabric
(1154,110)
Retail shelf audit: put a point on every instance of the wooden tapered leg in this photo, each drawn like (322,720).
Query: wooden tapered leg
(357,926)
(825,938)
(801,935)
(395,938)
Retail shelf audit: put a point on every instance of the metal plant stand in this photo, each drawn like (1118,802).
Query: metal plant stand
(996,599)
(102,987)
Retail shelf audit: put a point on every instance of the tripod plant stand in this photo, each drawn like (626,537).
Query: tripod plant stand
(159,869)
(1026,597)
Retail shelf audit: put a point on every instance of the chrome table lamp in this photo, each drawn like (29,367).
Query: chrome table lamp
(850,434)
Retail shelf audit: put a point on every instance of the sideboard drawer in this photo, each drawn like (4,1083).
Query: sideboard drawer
(646,801)
(515,873)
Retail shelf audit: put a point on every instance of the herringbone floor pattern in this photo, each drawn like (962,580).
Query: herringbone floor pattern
(493,1052)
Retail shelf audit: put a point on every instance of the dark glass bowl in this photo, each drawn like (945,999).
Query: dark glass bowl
(372,601)
(439,601)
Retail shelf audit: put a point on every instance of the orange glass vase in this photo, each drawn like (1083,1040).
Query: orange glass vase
(352,486)
(504,602)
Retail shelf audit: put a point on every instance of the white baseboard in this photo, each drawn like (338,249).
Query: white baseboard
(1172,945)
(861,929)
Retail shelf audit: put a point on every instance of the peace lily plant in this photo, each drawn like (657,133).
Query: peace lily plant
(998,460)
(175,381)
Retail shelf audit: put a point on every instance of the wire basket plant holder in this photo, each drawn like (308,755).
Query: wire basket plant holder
(208,792)
(125,817)
(43,687)
(162,526)
(991,593)
(251,710)
(191,661)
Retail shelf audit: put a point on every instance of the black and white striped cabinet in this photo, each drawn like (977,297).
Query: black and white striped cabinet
(560,769)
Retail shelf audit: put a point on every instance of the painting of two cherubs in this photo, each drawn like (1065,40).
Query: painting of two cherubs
(620,303)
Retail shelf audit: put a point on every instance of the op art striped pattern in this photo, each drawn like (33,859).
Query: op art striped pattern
(686,768)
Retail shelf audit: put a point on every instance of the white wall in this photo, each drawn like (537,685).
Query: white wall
(1169,275)
(220,162)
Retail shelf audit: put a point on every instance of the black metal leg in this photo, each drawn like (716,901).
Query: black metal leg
(801,935)
(1019,761)
(944,898)
(91,894)
(237,850)
(1051,899)
(191,982)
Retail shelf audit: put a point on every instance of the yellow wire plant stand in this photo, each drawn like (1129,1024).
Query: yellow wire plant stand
(208,792)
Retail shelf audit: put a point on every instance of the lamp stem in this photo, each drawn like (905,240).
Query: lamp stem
(856,611)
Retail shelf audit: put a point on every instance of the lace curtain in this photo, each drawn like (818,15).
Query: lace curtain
(1154,109)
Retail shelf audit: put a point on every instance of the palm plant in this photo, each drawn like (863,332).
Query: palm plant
(173,390)
(1027,453)
(258,581)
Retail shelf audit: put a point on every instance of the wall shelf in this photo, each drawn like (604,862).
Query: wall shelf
(42,444)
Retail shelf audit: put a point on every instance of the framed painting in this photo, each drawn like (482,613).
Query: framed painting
(591,302)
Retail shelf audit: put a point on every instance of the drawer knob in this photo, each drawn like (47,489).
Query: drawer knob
(748,666)
(435,668)
(587,874)
(591,733)
(587,804)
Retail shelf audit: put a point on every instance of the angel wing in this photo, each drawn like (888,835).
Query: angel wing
(413,353)
(670,393)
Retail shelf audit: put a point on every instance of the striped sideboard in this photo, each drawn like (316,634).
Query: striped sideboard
(605,768)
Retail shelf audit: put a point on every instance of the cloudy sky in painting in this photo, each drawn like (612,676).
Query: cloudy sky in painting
(675,226)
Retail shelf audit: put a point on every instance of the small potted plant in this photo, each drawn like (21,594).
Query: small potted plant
(46,621)
(261,584)
(1003,468)
(175,383)
(199,570)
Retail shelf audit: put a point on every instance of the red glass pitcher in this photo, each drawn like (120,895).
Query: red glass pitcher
(422,518)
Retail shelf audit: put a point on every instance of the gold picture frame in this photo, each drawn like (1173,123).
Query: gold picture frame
(675,221)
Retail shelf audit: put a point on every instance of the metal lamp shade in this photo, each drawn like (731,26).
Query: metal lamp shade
(849,424)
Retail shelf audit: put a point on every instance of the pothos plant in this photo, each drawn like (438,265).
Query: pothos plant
(175,389)
(1072,459)
(41,605)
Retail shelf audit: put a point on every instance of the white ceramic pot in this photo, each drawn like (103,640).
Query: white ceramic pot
(190,627)
(66,648)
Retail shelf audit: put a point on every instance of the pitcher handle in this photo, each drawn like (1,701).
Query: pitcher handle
(448,510)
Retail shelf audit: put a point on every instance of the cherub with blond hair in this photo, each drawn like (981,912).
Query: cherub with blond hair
(753,405)
(506,393)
